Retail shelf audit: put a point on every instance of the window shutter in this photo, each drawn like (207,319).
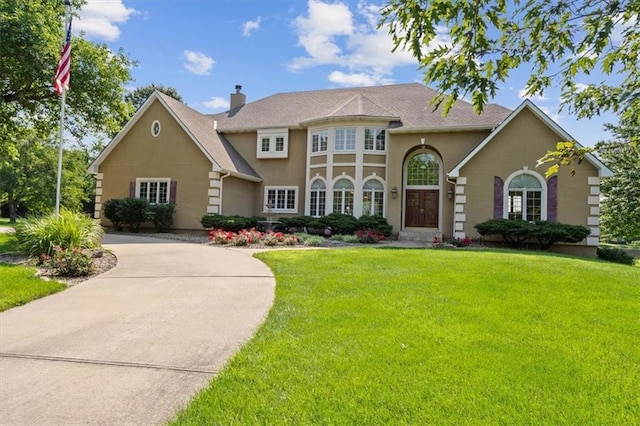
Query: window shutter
(172,191)
(552,199)
(498,197)
(132,189)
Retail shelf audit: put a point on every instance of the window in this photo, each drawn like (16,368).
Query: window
(423,170)
(524,198)
(373,198)
(345,139)
(318,198)
(374,140)
(343,197)
(273,143)
(156,191)
(319,140)
(281,199)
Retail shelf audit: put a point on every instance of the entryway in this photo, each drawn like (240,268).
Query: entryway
(422,208)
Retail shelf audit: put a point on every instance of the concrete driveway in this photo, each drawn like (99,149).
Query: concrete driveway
(134,344)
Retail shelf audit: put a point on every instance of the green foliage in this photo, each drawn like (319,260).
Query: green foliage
(557,41)
(620,208)
(514,232)
(111,212)
(20,285)
(340,223)
(287,224)
(368,336)
(73,262)
(314,241)
(615,255)
(133,212)
(32,36)
(376,223)
(8,243)
(229,223)
(38,236)
(161,216)
(138,97)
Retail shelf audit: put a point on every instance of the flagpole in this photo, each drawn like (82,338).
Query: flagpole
(62,105)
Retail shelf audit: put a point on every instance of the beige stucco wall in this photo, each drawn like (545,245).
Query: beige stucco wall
(239,197)
(452,148)
(274,172)
(520,144)
(170,155)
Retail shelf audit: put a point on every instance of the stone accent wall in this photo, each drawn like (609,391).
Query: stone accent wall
(460,218)
(214,193)
(97,212)
(593,221)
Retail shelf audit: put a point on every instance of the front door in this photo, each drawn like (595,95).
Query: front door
(422,208)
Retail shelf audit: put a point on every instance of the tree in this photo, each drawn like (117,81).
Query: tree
(482,41)
(620,213)
(32,34)
(140,95)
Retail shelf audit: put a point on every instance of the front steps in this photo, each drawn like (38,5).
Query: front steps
(419,236)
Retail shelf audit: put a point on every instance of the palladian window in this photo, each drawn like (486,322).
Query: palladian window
(373,198)
(343,197)
(524,200)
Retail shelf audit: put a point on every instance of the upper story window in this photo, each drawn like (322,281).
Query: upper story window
(156,190)
(273,143)
(423,170)
(374,139)
(345,139)
(319,140)
(525,198)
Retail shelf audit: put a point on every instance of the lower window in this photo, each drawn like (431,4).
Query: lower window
(281,199)
(156,191)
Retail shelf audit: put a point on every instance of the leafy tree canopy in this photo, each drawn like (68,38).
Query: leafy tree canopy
(140,95)
(32,34)
(558,40)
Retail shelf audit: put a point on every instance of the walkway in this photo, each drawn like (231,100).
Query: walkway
(134,344)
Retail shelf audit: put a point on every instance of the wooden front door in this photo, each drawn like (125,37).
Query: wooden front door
(422,208)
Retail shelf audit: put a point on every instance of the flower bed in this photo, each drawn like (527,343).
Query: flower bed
(251,236)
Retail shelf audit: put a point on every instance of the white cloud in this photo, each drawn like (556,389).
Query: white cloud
(552,112)
(216,103)
(251,26)
(334,35)
(100,19)
(198,63)
(580,87)
(622,27)
(522,94)
(357,79)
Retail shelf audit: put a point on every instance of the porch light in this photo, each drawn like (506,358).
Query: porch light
(450,193)
(394,192)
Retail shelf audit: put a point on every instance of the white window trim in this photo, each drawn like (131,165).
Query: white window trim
(272,134)
(543,195)
(355,142)
(326,192)
(330,142)
(167,180)
(356,193)
(375,150)
(266,209)
(384,195)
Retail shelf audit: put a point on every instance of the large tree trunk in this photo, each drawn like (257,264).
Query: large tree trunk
(13,207)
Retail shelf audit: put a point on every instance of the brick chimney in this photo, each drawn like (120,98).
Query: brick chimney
(238,99)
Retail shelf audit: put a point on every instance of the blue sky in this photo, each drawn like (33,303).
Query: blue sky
(204,48)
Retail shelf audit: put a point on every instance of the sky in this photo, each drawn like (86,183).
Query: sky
(204,48)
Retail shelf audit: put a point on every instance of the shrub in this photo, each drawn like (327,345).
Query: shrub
(111,212)
(133,212)
(369,236)
(39,236)
(162,216)
(350,239)
(515,232)
(549,233)
(297,222)
(340,223)
(376,223)
(73,262)
(314,241)
(229,223)
(615,255)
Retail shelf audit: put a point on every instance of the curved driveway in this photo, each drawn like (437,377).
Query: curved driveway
(134,344)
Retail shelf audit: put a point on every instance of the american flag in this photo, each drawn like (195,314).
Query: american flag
(63,74)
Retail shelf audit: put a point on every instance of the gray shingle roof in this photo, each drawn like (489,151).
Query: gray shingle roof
(202,130)
(408,103)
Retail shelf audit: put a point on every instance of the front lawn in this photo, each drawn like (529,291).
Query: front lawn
(19,285)
(375,336)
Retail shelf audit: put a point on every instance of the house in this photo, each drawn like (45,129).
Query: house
(368,150)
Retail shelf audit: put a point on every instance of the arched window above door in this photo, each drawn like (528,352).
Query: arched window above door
(423,170)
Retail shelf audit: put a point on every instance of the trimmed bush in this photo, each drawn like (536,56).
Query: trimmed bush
(133,212)
(37,236)
(340,223)
(376,223)
(514,232)
(161,216)
(298,222)
(615,255)
(229,223)
(73,262)
(111,212)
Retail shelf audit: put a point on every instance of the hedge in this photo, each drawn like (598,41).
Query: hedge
(514,232)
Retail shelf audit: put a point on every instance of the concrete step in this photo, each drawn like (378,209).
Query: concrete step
(421,236)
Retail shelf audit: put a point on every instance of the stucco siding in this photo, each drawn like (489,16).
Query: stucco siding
(239,197)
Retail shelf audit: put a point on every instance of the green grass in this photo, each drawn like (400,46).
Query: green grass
(19,285)
(370,336)
(8,244)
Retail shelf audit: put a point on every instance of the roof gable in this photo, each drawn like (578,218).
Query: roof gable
(603,170)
